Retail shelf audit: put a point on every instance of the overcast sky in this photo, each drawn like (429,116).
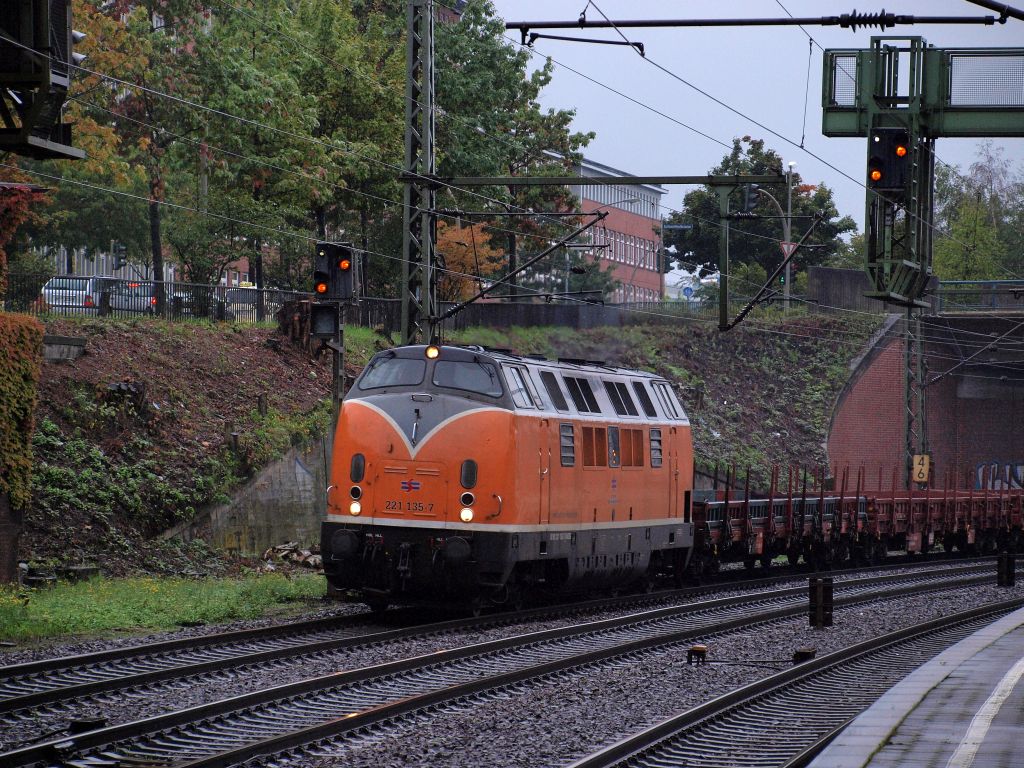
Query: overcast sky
(761,72)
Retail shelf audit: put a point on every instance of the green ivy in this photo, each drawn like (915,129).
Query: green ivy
(21,340)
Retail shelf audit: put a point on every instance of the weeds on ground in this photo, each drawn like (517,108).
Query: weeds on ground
(101,606)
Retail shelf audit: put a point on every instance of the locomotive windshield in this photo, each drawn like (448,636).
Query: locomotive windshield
(390,371)
(472,376)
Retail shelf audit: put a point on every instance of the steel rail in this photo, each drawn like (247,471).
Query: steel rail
(664,744)
(36,684)
(167,736)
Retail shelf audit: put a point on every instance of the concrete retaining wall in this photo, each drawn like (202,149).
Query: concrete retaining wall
(284,502)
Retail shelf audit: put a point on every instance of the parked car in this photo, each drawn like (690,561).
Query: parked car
(242,303)
(132,298)
(73,295)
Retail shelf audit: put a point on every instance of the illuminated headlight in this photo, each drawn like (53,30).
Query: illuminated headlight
(432,352)
(355,508)
(466,515)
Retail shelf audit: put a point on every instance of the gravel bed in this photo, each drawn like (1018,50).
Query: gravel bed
(126,706)
(559,721)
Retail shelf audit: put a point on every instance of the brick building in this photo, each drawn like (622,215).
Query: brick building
(629,239)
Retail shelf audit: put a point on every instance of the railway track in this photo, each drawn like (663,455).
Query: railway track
(38,684)
(268,721)
(804,708)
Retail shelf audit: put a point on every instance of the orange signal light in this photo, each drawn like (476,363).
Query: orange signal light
(344,265)
(875,175)
(320,288)
(901,150)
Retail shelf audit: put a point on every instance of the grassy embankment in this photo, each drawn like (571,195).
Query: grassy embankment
(106,606)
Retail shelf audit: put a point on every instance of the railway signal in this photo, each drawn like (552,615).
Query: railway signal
(750,198)
(334,268)
(120,256)
(889,159)
(322,270)
(343,266)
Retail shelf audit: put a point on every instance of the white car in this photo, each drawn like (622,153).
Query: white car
(73,295)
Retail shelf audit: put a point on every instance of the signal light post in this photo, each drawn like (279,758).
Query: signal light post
(334,284)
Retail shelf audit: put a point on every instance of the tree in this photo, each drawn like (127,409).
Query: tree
(756,240)
(493,125)
(464,249)
(972,249)
(979,218)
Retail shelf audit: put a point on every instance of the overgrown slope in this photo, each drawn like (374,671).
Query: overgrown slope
(137,434)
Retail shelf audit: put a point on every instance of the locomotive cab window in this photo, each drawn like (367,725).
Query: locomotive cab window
(390,371)
(521,388)
(478,376)
(554,391)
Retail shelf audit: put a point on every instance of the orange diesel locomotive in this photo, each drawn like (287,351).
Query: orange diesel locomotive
(472,476)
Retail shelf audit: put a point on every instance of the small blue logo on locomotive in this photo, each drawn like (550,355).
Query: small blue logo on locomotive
(410,485)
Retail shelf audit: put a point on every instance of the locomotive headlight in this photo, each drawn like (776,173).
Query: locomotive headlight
(355,508)
(466,515)
(433,352)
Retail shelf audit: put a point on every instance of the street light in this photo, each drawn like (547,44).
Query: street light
(787,220)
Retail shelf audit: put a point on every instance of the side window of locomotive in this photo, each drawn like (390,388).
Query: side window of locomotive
(524,393)
(595,447)
(567,445)
(632,447)
(614,454)
(668,401)
(655,447)
(390,371)
(517,387)
(582,395)
(619,395)
(475,376)
(554,392)
(645,399)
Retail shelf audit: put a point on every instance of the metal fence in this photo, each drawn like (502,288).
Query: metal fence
(99,296)
(1003,296)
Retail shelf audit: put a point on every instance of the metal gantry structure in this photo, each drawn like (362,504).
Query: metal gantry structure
(901,84)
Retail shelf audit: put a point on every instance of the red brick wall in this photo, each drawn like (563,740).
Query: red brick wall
(973,419)
(867,426)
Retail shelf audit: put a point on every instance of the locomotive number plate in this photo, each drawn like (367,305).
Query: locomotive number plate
(398,505)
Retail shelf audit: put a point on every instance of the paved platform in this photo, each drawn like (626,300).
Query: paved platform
(963,709)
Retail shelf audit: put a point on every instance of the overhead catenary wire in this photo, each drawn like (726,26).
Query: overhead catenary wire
(272,128)
(726,106)
(461,275)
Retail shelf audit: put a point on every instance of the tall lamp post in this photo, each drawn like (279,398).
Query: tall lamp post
(787,221)
(787,227)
